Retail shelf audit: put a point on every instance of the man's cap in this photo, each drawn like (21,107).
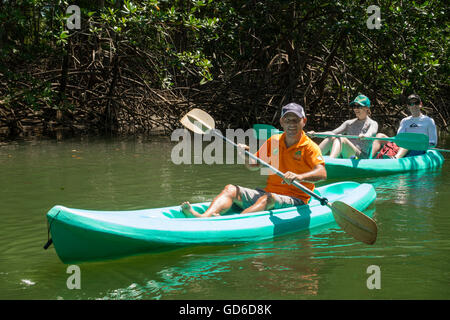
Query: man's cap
(361,100)
(414,98)
(294,108)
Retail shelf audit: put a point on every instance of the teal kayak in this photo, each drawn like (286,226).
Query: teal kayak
(351,168)
(84,235)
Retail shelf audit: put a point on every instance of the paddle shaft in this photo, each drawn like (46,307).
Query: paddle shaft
(323,201)
(410,141)
(324,135)
(321,135)
(441,150)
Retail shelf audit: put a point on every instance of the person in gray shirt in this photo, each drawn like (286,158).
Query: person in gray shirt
(415,123)
(362,126)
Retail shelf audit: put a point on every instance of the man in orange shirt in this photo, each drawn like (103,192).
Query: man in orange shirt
(293,153)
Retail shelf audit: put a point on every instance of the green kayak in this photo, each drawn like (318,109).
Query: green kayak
(351,168)
(83,235)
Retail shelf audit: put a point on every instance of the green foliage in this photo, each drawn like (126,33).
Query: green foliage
(314,51)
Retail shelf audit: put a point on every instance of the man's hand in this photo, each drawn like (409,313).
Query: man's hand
(249,163)
(241,148)
(289,177)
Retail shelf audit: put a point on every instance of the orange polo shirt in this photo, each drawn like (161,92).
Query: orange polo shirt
(298,158)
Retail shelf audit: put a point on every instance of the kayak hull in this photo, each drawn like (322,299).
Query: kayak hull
(351,168)
(85,235)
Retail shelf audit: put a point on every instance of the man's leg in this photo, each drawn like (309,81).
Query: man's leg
(401,153)
(326,144)
(252,200)
(221,203)
(270,201)
(378,144)
(265,202)
(336,149)
(349,149)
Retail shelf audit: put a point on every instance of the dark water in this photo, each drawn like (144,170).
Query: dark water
(411,210)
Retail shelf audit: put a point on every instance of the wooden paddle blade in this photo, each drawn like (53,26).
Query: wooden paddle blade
(354,222)
(412,141)
(264,131)
(198,121)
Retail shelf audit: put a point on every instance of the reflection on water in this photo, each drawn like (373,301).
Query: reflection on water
(416,188)
(193,275)
(414,198)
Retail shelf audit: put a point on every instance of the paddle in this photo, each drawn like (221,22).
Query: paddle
(354,222)
(440,150)
(410,141)
(265,131)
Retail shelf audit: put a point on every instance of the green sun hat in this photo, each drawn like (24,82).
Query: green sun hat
(361,100)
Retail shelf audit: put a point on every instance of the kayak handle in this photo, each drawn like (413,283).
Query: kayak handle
(50,240)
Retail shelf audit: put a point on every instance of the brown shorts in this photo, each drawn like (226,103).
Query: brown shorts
(250,196)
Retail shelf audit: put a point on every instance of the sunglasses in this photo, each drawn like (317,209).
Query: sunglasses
(413,103)
(292,120)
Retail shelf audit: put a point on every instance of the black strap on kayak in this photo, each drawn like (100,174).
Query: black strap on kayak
(49,240)
(48,244)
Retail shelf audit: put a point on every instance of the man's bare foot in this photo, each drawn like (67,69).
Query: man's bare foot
(186,208)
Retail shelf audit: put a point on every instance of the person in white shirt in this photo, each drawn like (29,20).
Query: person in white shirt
(362,126)
(415,123)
